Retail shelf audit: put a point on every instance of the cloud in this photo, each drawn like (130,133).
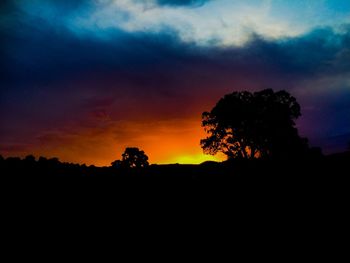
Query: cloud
(216,23)
(220,23)
(182,2)
(54,53)
(160,64)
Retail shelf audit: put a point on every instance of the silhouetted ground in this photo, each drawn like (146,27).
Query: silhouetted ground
(263,176)
(295,198)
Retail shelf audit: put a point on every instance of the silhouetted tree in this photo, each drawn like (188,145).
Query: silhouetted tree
(42,160)
(132,158)
(117,164)
(14,161)
(29,159)
(252,125)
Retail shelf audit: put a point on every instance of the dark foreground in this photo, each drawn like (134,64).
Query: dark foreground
(294,198)
(325,174)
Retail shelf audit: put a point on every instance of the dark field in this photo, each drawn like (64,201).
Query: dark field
(322,174)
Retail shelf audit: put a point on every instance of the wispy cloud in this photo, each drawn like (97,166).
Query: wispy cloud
(218,22)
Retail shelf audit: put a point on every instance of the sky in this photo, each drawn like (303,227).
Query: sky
(82,80)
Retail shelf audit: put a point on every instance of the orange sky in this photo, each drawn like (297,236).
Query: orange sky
(169,141)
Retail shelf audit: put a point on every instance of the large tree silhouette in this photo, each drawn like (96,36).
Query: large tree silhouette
(254,125)
(132,158)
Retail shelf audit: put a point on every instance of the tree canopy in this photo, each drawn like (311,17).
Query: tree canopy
(132,158)
(254,125)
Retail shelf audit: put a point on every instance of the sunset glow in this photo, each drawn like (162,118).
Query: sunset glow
(83,80)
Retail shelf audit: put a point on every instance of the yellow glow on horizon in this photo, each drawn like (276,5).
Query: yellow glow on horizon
(193,159)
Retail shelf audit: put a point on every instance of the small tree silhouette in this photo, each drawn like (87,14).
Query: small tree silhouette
(254,125)
(29,159)
(132,158)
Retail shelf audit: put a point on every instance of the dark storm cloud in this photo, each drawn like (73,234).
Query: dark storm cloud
(52,53)
(36,53)
(320,51)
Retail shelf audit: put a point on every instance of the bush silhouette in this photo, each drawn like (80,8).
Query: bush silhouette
(29,158)
(254,125)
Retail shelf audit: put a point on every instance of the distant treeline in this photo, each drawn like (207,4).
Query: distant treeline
(43,167)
